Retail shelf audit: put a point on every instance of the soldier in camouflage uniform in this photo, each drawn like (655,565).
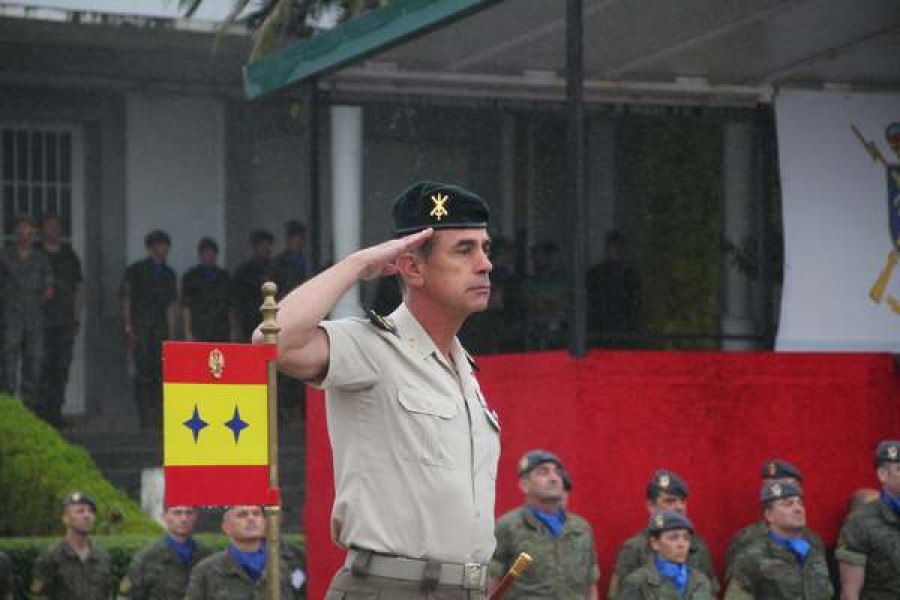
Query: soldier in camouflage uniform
(6,579)
(73,569)
(161,570)
(666,491)
(560,542)
(149,294)
(29,284)
(868,548)
(772,470)
(245,288)
(62,318)
(204,297)
(666,576)
(785,565)
(238,572)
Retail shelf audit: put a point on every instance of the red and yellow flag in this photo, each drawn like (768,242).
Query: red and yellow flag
(215,424)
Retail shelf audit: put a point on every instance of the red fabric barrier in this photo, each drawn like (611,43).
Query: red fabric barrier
(712,417)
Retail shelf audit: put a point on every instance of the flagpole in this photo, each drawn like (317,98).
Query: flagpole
(269,329)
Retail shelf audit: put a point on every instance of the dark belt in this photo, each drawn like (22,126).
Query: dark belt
(469,576)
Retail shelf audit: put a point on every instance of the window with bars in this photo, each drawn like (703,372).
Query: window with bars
(35,176)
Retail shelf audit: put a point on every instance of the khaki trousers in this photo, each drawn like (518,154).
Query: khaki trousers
(346,586)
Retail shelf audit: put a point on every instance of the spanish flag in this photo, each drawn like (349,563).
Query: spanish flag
(215,424)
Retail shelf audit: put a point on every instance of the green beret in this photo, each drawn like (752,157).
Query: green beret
(776,490)
(780,469)
(667,520)
(888,451)
(440,206)
(79,498)
(668,482)
(536,458)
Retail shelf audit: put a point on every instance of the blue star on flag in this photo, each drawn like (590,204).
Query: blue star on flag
(195,424)
(236,424)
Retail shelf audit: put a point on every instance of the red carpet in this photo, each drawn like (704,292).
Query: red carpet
(712,417)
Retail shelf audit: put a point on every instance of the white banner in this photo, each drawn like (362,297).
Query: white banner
(841,291)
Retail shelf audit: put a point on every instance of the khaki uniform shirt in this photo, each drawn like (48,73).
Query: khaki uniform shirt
(60,574)
(765,569)
(415,446)
(647,584)
(635,553)
(156,572)
(760,531)
(563,567)
(870,538)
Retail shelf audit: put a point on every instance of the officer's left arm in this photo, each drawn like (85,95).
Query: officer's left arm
(43,578)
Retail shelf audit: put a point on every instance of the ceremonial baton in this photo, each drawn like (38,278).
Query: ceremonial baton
(522,563)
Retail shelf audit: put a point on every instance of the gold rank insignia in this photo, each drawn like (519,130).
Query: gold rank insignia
(439,211)
(523,464)
(772,469)
(660,521)
(893,452)
(216,363)
(383,323)
(776,490)
(664,481)
(76,497)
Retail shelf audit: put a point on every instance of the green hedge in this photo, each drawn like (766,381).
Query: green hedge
(24,551)
(38,468)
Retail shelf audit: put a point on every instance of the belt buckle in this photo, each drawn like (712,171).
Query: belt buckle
(474,576)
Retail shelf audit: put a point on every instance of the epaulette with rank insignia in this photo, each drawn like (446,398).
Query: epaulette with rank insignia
(383,323)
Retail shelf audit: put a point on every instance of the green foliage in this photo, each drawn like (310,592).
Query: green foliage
(38,468)
(23,552)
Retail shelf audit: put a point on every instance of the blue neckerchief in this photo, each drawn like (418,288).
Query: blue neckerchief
(252,562)
(798,546)
(297,259)
(674,572)
(892,503)
(209,271)
(157,268)
(553,521)
(183,550)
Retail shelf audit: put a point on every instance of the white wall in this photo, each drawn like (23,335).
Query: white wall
(175,156)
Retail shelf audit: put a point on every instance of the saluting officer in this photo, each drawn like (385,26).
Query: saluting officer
(415,444)
(868,550)
(160,570)
(772,471)
(666,491)
(667,576)
(74,568)
(560,542)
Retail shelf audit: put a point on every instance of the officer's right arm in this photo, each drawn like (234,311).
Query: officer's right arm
(196,589)
(741,585)
(302,344)
(502,559)
(851,552)
(623,567)
(43,578)
(132,585)
(629,590)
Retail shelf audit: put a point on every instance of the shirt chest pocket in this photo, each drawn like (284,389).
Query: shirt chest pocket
(425,427)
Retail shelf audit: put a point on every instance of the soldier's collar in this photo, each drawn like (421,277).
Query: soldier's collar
(411,331)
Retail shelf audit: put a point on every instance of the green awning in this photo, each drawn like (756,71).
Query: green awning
(363,36)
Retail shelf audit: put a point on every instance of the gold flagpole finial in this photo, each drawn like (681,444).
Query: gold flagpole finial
(269,328)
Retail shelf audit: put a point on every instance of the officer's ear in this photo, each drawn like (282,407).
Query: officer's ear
(882,473)
(654,543)
(523,484)
(409,267)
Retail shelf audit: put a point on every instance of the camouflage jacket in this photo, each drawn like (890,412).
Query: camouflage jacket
(59,574)
(647,584)
(768,570)
(870,538)
(563,567)
(635,553)
(760,531)
(156,573)
(220,577)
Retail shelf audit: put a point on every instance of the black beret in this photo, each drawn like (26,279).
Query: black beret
(207,243)
(157,236)
(536,458)
(261,235)
(775,490)
(668,482)
(667,520)
(888,451)
(779,469)
(79,498)
(438,205)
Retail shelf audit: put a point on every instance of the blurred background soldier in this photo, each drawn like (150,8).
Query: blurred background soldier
(6,580)
(560,542)
(785,564)
(204,297)
(245,289)
(666,491)
(62,318)
(161,570)
(288,271)
(149,299)
(239,570)
(667,574)
(614,295)
(29,284)
(74,568)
